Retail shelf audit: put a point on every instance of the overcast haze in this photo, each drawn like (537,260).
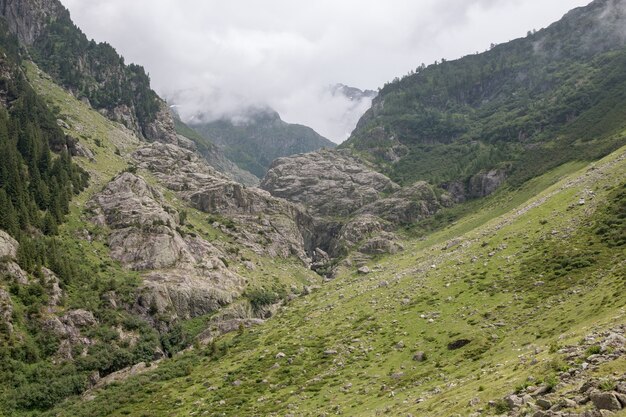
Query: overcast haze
(217,58)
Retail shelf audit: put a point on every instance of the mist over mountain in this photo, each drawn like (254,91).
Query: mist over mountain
(254,138)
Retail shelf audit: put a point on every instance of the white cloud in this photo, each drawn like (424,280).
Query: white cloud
(224,56)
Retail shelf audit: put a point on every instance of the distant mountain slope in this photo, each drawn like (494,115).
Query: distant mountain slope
(254,142)
(214,155)
(517,110)
(352,93)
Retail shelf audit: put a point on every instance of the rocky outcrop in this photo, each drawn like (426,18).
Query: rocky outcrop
(407,205)
(9,269)
(257,220)
(330,183)
(184,275)
(187,293)
(8,246)
(477,186)
(162,129)
(68,329)
(28,19)
(142,234)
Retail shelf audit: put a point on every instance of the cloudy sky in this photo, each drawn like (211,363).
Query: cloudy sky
(219,57)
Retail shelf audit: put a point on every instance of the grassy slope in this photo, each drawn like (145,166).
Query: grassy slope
(526,275)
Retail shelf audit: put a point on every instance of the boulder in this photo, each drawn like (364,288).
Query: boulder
(605,401)
(364,270)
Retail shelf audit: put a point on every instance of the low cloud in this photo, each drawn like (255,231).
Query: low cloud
(216,58)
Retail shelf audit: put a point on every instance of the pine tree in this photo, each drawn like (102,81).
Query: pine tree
(49,226)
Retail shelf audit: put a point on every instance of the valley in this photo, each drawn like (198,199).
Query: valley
(461,254)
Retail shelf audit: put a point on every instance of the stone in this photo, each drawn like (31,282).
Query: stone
(544,403)
(419,356)
(568,403)
(614,340)
(514,401)
(53,287)
(364,270)
(605,401)
(544,389)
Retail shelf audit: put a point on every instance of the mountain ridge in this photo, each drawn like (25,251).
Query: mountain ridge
(258,137)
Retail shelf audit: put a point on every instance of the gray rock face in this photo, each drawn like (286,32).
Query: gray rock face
(407,205)
(12,271)
(55,293)
(27,19)
(79,318)
(267,225)
(335,183)
(162,129)
(142,236)
(124,115)
(186,294)
(330,183)
(605,401)
(185,275)
(8,246)
(479,185)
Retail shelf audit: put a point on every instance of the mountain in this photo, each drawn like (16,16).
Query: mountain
(352,93)
(138,279)
(253,141)
(520,109)
(214,155)
(355,103)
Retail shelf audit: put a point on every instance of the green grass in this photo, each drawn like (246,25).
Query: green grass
(491,290)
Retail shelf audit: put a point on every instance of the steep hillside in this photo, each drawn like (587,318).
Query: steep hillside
(518,110)
(259,138)
(499,314)
(92,71)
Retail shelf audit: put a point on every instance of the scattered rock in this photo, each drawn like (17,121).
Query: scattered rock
(364,270)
